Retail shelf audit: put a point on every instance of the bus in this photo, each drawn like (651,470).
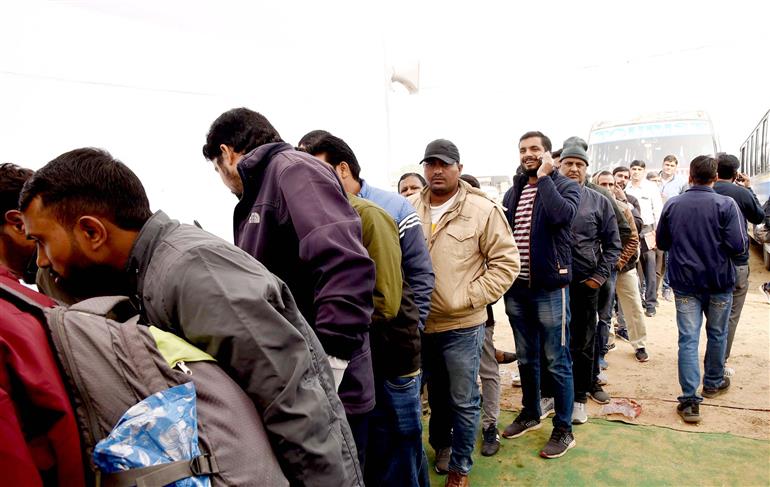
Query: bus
(650,138)
(755,163)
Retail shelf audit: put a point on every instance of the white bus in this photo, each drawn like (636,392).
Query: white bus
(755,162)
(650,138)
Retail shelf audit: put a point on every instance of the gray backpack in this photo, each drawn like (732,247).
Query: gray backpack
(109,366)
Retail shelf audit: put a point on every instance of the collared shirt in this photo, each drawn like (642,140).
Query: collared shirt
(672,187)
(650,202)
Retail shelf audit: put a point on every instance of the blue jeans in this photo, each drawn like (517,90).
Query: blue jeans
(540,321)
(452,361)
(690,309)
(605,305)
(395,455)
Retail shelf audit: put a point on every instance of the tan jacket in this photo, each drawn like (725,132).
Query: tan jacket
(475,258)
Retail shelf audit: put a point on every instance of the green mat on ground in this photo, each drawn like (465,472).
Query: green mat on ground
(610,453)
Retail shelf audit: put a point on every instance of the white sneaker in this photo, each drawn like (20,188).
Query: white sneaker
(729,371)
(546,407)
(579,415)
(515,377)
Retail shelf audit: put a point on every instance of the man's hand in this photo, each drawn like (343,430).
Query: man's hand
(743,180)
(592,284)
(546,168)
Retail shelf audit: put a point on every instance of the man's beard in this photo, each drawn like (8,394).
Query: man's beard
(531,172)
(87,279)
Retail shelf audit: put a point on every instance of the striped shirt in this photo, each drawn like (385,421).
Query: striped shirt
(522,222)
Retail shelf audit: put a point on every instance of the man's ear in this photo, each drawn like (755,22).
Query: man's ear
(343,170)
(12,218)
(92,232)
(229,156)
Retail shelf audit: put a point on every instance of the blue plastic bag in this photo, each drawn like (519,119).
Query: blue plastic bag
(160,429)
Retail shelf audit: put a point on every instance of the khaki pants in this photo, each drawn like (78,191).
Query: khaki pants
(627,291)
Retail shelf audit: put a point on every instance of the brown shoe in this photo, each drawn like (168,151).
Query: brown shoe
(504,357)
(456,479)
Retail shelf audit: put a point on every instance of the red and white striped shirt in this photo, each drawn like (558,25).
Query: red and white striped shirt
(522,222)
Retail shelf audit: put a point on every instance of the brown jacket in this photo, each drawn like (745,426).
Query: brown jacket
(475,258)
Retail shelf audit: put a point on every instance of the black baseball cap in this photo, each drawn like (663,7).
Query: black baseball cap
(442,149)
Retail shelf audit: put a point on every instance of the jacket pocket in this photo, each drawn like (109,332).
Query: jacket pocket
(462,242)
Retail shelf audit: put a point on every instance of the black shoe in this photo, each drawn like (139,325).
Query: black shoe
(560,442)
(491,443)
(622,333)
(519,426)
(641,355)
(650,312)
(442,460)
(689,411)
(712,392)
(599,395)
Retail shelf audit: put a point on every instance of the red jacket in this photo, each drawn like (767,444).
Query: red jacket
(39,442)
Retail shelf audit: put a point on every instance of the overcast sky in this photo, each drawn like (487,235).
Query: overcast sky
(144,79)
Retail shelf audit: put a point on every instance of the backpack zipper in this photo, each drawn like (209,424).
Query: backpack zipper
(184,368)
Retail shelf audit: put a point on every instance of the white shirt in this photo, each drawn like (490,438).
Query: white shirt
(649,198)
(436,212)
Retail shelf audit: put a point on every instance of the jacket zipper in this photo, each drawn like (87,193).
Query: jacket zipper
(91,417)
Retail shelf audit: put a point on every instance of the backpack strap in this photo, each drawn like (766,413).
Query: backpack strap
(163,474)
(21,300)
(101,305)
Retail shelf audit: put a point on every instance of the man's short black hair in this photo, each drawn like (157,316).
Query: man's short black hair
(620,169)
(310,139)
(337,151)
(240,128)
(703,170)
(727,166)
(637,162)
(471,180)
(543,139)
(556,154)
(671,158)
(12,179)
(89,181)
(603,173)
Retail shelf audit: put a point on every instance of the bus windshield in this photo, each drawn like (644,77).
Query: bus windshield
(652,150)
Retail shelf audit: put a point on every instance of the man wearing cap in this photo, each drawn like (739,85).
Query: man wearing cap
(541,206)
(474,260)
(595,251)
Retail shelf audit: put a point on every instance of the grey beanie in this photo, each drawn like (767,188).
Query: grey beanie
(574,150)
(575,140)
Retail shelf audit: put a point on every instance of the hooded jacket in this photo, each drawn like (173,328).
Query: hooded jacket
(295,218)
(229,305)
(554,209)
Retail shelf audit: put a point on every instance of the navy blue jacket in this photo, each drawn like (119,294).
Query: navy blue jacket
(702,232)
(749,206)
(596,244)
(556,204)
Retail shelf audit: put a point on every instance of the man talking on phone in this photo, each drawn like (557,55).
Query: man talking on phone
(540,207)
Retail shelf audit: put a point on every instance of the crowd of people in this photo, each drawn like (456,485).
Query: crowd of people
(339,302)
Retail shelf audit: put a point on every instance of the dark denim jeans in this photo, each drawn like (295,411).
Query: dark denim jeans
(582,328)
(604,307)
(648,279)
(452,362)
(540,322)
(395,455)
(690,309)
